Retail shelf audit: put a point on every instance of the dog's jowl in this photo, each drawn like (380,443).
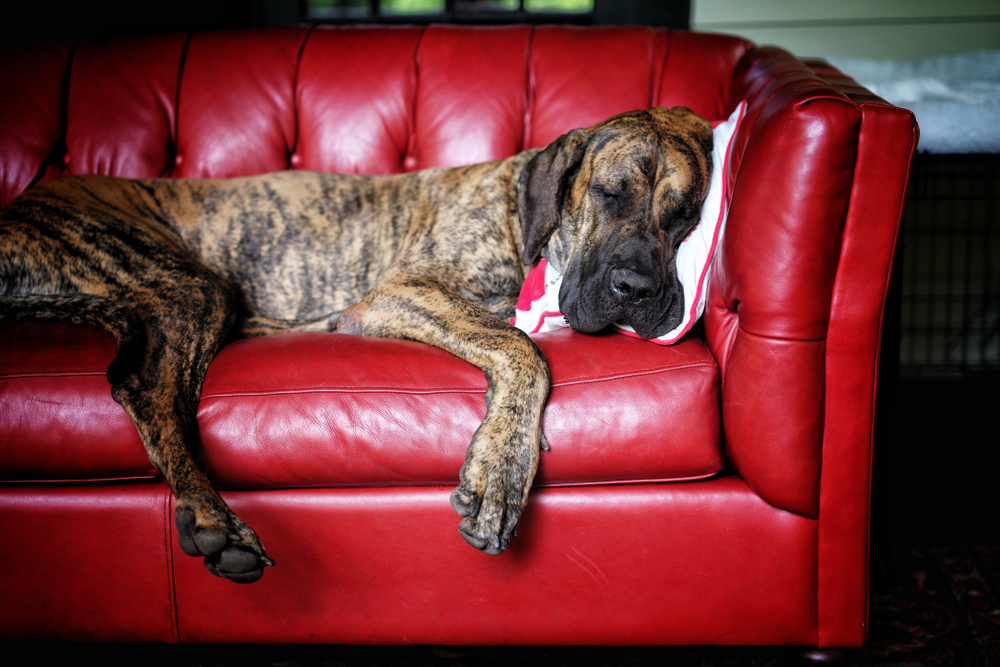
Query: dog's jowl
(173,268)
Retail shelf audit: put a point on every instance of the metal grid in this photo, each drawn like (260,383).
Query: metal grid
(950,322)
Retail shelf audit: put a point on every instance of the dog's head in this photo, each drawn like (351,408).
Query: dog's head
(609,205)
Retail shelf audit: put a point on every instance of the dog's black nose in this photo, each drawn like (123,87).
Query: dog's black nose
(630,286)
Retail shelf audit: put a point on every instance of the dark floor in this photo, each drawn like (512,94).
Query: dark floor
(935,567)
(929,607)
(936,479)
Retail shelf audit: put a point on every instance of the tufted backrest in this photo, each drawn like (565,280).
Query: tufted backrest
(363,100)
(395,99)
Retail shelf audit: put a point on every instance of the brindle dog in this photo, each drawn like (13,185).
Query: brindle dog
(173,267)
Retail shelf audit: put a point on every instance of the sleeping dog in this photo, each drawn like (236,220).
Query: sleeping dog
(172,268)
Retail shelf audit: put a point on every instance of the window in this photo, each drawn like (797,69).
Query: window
(450,11)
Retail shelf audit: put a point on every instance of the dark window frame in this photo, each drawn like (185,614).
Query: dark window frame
(657,13)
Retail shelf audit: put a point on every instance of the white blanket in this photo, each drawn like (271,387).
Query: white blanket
(956,99)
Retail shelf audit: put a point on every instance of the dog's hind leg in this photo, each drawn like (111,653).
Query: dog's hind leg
(265,326)
(164,348)
(95,250)
(160,390)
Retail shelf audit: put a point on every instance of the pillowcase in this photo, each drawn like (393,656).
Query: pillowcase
(537,308)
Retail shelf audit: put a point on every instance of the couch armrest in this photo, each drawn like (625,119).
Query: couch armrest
(819,175)
(887,140)
(795,181)
(791,172)
(794,317)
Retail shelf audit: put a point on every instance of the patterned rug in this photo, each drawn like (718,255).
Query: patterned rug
(936,607)
(928,607)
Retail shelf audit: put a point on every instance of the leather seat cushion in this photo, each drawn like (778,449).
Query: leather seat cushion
(319,410)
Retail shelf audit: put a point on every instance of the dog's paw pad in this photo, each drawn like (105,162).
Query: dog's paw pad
(211,540)
(238,561)
(238,565)
(484,540)
(196,541)
(231,551)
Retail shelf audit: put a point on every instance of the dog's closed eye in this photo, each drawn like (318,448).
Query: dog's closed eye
(611,198)
(606,192)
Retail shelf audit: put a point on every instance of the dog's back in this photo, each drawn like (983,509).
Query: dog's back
(293,245)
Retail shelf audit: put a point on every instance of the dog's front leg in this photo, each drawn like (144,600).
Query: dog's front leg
(501,460)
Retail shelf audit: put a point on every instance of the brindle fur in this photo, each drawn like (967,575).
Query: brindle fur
(172,268)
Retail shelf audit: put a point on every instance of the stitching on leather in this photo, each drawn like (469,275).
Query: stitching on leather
(83,480)
(175,130)
(529,91)
(780,338)
(343,390)
(52,374)
(295,95)
(171,582)
(381,389)
(59,147)
(414,483)
(411,140)
(657,70)
(347,389)
(635,374)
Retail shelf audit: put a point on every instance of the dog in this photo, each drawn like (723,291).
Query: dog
(175,268)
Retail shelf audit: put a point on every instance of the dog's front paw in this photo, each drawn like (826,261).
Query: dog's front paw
(231,548)
(494,486)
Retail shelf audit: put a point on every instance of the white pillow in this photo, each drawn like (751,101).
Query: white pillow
(538,303)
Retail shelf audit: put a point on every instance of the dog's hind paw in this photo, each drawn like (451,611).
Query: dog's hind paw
(237,564)
(231,551)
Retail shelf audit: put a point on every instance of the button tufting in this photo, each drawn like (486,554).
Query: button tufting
(178,160)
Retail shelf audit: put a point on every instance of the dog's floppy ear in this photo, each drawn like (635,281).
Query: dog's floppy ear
(542,188)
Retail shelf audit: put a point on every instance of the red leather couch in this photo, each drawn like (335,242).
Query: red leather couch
(716,491)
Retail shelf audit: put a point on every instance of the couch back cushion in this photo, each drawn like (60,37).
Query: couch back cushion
(360,100)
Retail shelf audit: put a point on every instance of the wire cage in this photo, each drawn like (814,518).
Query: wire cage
(950,307)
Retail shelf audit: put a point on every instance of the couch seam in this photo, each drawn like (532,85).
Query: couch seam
(781,338)
(411,150)
(527,114)
(445,390)
(394,388)
(295,96)
(52,374)
(171,579)
(59,149)
(175,130)
(417,483)
(657,84)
